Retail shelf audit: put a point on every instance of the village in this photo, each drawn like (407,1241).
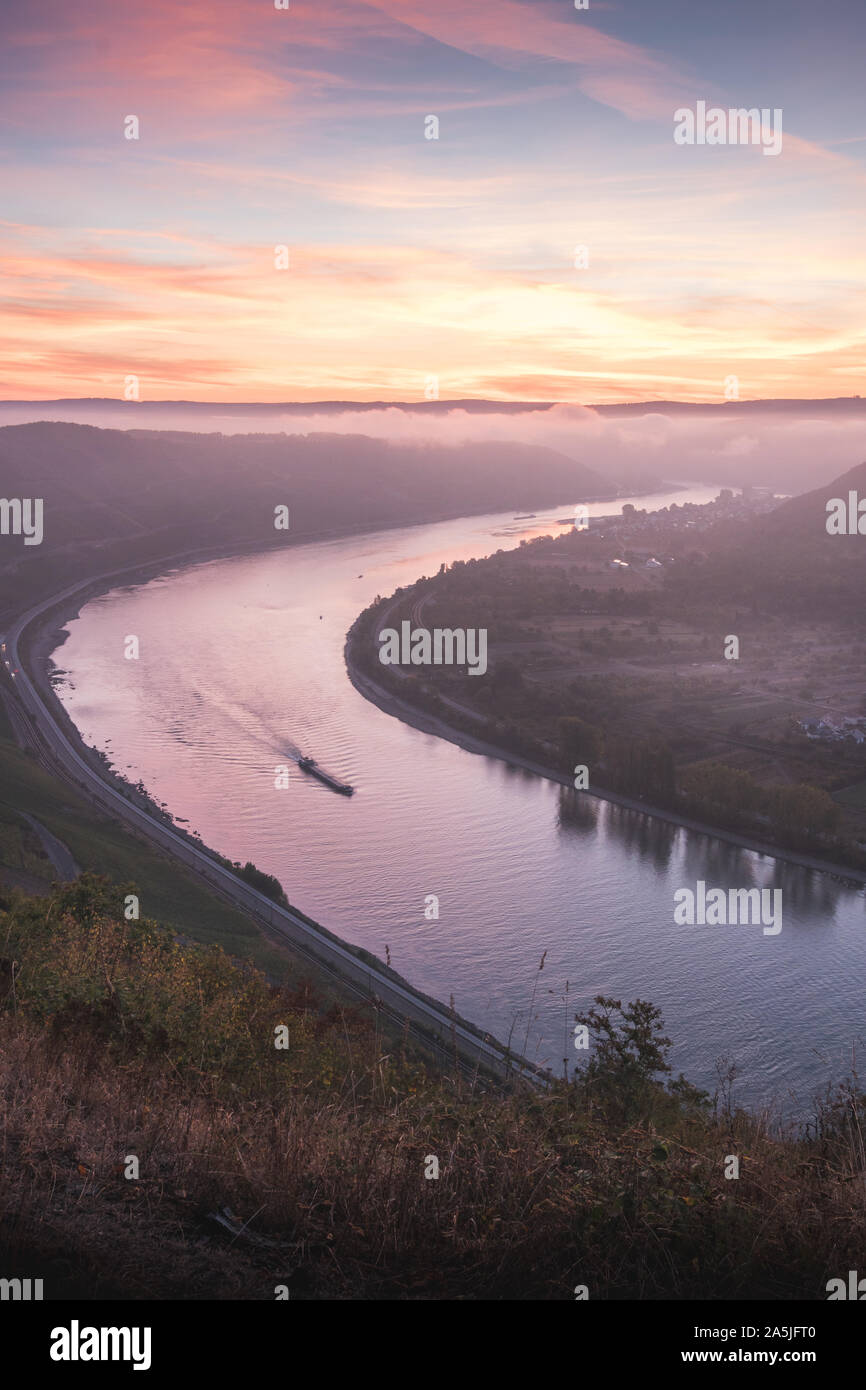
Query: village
(637,525)
(830,729)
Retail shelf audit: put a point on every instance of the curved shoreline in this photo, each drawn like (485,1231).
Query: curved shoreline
(39,632)
(428,723)
(435,1025)
(49,628)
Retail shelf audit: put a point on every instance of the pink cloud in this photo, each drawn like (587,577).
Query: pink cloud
(620,74)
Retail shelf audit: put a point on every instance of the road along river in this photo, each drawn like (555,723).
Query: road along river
(241,671)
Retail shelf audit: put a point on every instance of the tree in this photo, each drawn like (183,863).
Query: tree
(580,742)
(507,676)
(628,1043)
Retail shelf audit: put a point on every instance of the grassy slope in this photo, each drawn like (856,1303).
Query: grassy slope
(99,845)
(118,1041)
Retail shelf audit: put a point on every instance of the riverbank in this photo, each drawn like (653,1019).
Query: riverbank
(439,1030)
(428,723)
(492,842)
(46,637)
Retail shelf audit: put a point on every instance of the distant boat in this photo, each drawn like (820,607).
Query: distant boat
(525,516)
(310,765)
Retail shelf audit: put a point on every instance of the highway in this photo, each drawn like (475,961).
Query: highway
(432,1025)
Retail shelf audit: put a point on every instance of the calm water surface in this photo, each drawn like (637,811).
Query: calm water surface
(241,669)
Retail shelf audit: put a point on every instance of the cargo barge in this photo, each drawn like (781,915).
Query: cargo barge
(310,765)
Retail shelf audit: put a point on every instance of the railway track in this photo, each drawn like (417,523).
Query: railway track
(430,1023)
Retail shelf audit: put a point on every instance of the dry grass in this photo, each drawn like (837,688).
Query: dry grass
(317,1154)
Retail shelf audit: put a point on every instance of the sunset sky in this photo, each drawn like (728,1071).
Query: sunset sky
(409,257)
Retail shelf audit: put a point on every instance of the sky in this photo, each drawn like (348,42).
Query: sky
(419,267)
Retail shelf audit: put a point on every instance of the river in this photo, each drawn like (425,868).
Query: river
(241,669)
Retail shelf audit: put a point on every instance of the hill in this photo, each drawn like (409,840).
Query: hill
(707,661)
(159,1144)
(115,497)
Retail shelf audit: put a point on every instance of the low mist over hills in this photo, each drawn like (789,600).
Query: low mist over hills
(114,497)
(789,445)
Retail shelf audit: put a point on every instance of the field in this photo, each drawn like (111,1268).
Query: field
(639,658)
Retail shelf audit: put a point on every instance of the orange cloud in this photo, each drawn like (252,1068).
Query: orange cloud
(374,322)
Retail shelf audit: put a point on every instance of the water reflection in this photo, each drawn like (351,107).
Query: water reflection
(239,670)
(651,839)
(809,893)
(718,862)
(577,815)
